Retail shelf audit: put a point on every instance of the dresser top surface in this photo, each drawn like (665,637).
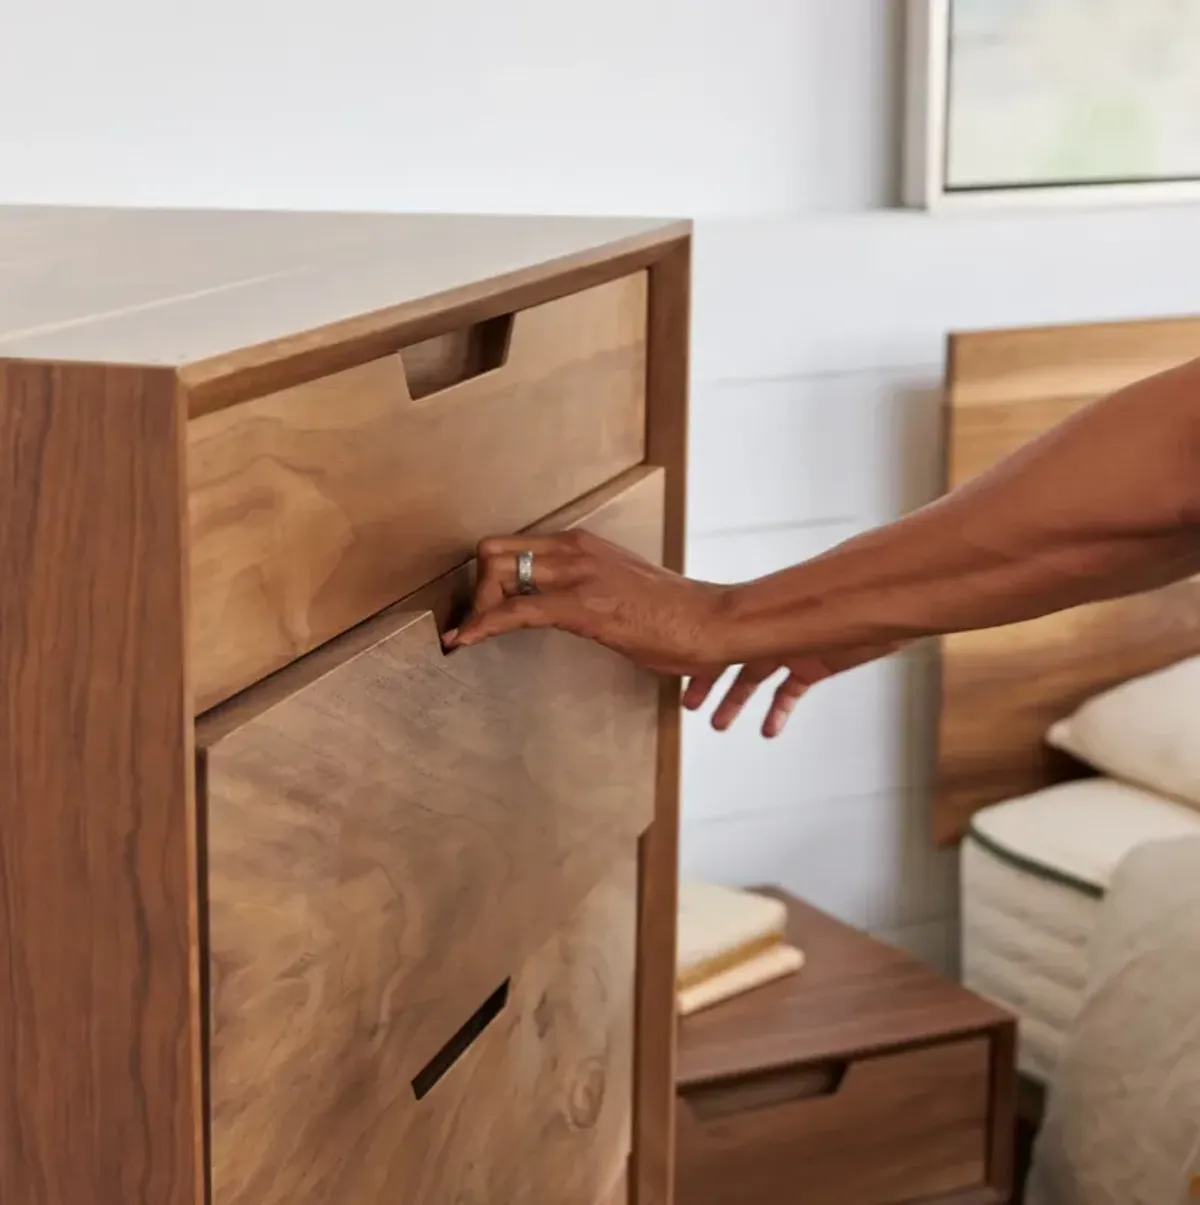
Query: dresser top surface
(176,287)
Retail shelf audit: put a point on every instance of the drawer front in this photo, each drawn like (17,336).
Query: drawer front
(620,1192)
(527,1101)
(882,1131)
(318,506)
(385,846)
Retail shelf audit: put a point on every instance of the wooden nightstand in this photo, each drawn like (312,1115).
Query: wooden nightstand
(866,1079)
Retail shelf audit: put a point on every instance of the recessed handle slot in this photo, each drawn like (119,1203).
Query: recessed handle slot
(427,1078)
(440,363)
(452,605)
(749,1094)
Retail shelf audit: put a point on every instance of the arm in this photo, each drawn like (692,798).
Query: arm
(1106,504)
(1103,505)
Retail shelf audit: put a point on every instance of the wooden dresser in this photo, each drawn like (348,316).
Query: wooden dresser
(295,908)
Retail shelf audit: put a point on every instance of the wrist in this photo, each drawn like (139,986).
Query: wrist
(753,620)
(826,605)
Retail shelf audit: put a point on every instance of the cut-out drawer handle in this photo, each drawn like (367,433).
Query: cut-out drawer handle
(427,1078)
(440,363)
(450,610)
(713,1102)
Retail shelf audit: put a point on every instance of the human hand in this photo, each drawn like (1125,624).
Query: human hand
(595,589)
(803,673)
(667,623)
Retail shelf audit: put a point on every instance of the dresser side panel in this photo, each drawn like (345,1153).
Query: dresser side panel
(100,1083)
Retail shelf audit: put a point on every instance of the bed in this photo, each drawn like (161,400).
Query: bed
(1042,834)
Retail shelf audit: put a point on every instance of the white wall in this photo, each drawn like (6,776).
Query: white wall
(819,323)
(672,106)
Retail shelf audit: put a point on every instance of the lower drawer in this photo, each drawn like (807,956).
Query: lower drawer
(527,1101)
(394,838)
(892,1129)
(620,1192)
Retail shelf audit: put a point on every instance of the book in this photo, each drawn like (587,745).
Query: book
(723,927)
(762,968)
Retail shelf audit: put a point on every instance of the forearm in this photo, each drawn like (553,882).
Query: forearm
(1104,505)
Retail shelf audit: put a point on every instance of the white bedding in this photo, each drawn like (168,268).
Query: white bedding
(1123,1122)
(1034,874)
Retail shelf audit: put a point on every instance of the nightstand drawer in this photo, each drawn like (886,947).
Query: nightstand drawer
(316,507)
(528,1091)
(886,1130)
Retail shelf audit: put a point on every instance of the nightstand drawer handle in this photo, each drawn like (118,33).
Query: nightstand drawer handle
(748,1094)
(437,1067)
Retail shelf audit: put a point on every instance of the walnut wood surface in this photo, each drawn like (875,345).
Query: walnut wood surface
(313,508)
(653,1165)
(897,1128)
(231,295)
(1002,688)
(385,847)
(539,1099)
(236,306)
(620,1192)
(854,996)
(99,1039)
(867,1076)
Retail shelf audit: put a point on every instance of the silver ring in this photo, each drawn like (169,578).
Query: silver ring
(525,582)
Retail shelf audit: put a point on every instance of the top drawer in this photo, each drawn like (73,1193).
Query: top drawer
(315,507)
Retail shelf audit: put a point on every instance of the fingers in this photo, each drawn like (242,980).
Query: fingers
(511,615)
(791,690)
(699,687)
(750,677)
(558,560)
(497,577)
(803,675)
(510,546)
(557,565)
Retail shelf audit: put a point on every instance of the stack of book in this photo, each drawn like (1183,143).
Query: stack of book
(730,942)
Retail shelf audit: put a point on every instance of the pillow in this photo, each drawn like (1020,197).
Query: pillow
(1145,731)
(1122,1124)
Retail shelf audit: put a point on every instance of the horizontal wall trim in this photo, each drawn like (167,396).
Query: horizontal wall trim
(762,529)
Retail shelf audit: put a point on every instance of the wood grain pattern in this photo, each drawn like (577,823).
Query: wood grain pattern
(854,997)
(385,846)
(313,508)
(620,1193)
(898,1128)
(540,1098)
(628,510)
(227,379)
(652,1169)
(194,313)
(243,304)
(99,1028)
(430,816)
(865,1077)
(1002,688)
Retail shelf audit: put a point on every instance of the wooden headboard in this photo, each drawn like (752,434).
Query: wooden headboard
(1001,689)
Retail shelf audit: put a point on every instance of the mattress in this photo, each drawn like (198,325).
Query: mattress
(1034,871)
